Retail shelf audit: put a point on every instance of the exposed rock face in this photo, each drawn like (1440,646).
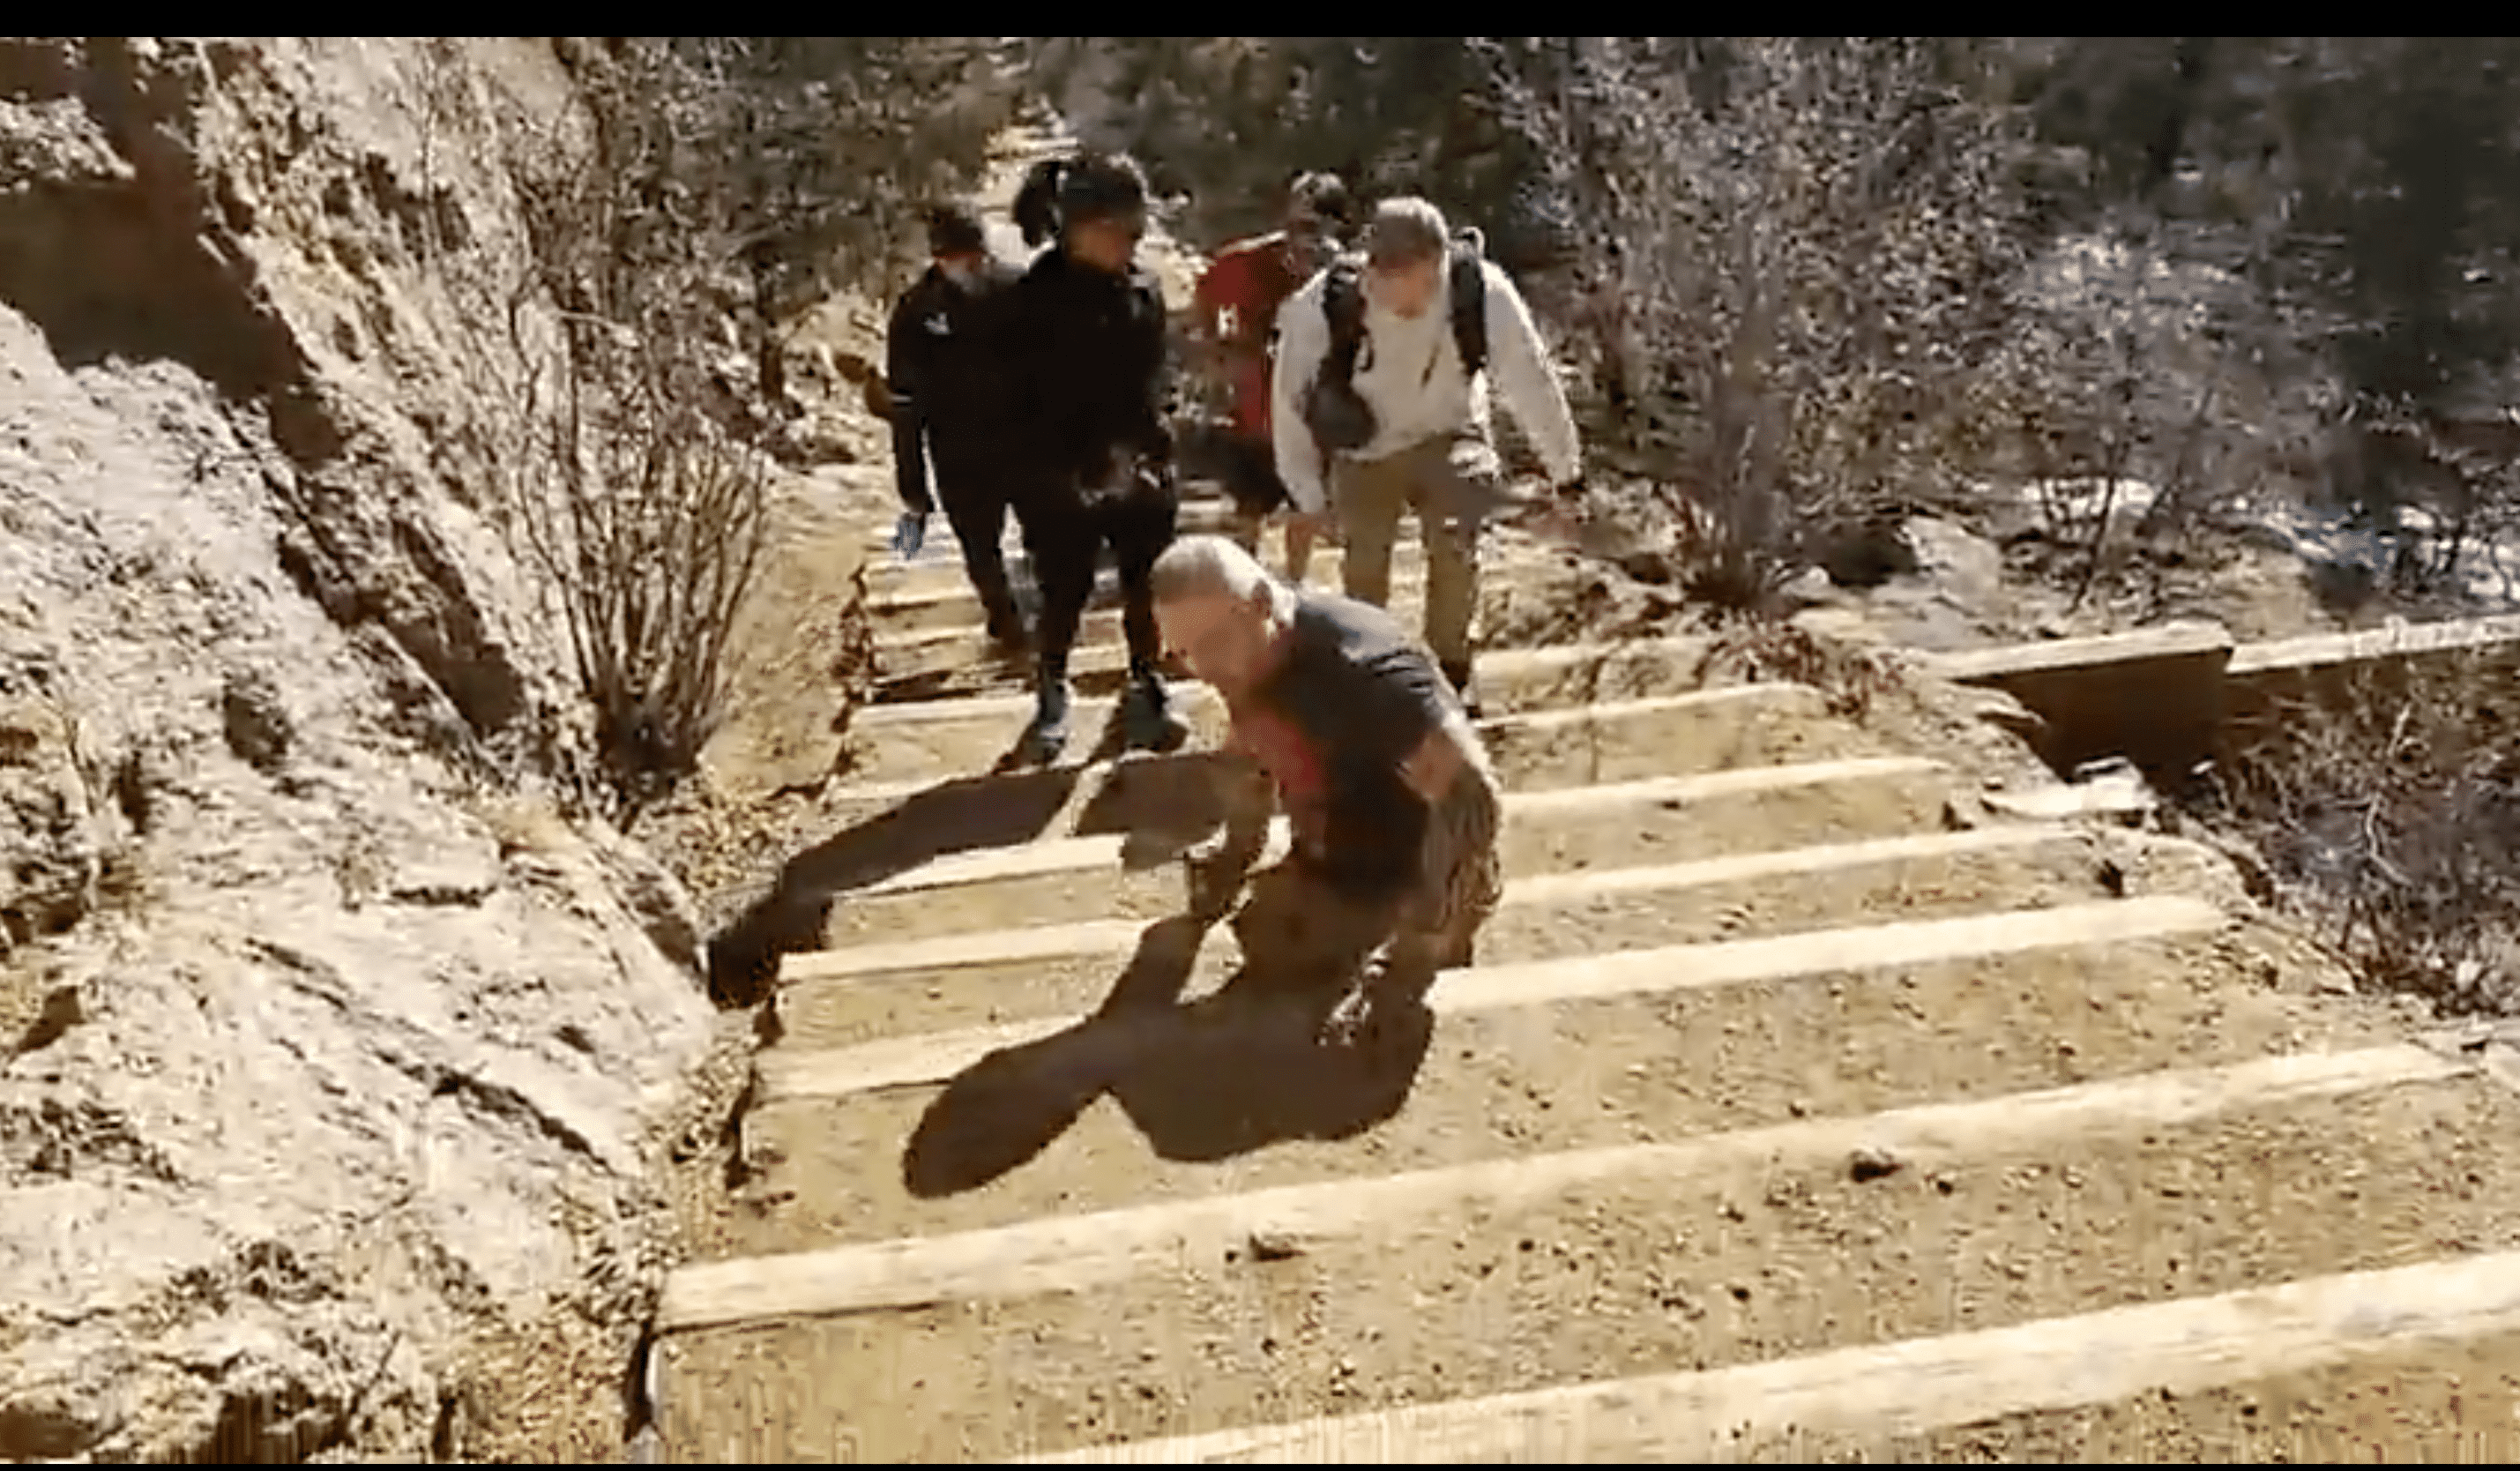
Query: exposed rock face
(322,1050)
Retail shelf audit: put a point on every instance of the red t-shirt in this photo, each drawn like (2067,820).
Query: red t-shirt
(1238,301)
(1353,700)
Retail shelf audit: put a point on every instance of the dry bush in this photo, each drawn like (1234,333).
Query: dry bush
(2441,493)
(2391,819)
(1793,277)
(2145,357)
(624,480)
(625,357)
(1759,649)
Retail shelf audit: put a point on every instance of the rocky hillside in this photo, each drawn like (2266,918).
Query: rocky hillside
(333,1060)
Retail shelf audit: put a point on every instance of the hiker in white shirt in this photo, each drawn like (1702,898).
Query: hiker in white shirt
(1412,435)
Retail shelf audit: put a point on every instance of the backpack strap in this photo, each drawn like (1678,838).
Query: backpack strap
(1343,308)
(1470,301)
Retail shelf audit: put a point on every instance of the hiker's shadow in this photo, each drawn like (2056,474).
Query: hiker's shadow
(1227,1074)
(1162,801)
(955,816)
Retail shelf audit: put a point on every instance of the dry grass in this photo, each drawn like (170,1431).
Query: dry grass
(1751,649)
(549,1391)
(2387,814)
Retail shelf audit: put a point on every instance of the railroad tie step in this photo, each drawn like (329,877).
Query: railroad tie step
(1075,1254)
(1885,1392)
(934,1059)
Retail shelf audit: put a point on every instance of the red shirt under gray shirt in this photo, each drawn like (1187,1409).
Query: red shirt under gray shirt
(1238,299)
(1353,700)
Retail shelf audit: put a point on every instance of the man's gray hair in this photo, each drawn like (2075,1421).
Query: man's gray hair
(1207,565)
(1403,232)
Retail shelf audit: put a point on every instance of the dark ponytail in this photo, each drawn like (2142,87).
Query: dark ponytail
(1036,208)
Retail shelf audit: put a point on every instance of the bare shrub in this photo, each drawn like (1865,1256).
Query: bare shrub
(1758,650)
(816,154)
(2390,818)
(627,354)
(626,478)
(2143,362)
(1798,275)
(2441,491)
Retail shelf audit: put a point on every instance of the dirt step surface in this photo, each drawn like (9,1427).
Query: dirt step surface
(1674,735)
(2412,1363)
(1773,1102)
(1199,513)
(1100,1115)
(967,980)
(1571,829)
(936,579)
(1760,1257)
(971,735)
(917,656)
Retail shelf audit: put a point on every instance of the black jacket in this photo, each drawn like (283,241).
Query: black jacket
(954,383)
(1097,385)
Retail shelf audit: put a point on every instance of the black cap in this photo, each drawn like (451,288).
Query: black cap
(1102,187)
(955,230)
(1324,196)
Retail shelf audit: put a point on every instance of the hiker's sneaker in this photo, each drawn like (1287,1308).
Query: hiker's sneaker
(1393,979)
(1457,675)
(1148,722)
(1351,1018)
(1046,739)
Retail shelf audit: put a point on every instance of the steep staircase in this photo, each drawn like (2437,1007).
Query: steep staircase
(1785,1115)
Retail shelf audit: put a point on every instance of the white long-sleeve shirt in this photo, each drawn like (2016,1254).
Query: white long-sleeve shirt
(1410,374)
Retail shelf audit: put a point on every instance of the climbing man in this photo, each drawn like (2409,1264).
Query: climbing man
(1235,321)
(1379,373)
(1088,322)
(1339,716)
(946,366)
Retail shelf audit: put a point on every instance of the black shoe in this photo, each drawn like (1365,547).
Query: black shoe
(1045,740)
(1148,722)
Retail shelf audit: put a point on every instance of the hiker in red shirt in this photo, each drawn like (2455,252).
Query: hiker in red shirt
(1344,722)
(1234,319)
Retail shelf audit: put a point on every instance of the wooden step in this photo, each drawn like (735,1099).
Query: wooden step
(2374,1326)
(937,588)
(918,651)
(1147,1102)
(859,993)
(1527,1274)
(1620,740)
(1198,514)
(1080,1253)
(1137,875)
(935,1059)
(933,739)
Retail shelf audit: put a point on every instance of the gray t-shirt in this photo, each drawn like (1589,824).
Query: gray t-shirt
(1354,699)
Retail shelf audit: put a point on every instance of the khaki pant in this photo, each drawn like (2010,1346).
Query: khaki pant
(1450,483)
(1433,922)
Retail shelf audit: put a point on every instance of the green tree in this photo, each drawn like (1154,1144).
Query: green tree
(1227,121)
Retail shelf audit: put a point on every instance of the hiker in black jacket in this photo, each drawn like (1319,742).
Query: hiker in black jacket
(1091,325)
(952,393)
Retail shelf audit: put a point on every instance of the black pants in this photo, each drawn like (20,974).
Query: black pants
(977,498)
(1066,539)
(1250,475)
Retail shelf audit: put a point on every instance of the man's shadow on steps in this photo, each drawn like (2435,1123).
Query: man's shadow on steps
(1001,809)
(1222,1075)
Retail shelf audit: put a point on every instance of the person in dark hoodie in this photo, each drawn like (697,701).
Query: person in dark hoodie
(1091,325)
(946,364)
